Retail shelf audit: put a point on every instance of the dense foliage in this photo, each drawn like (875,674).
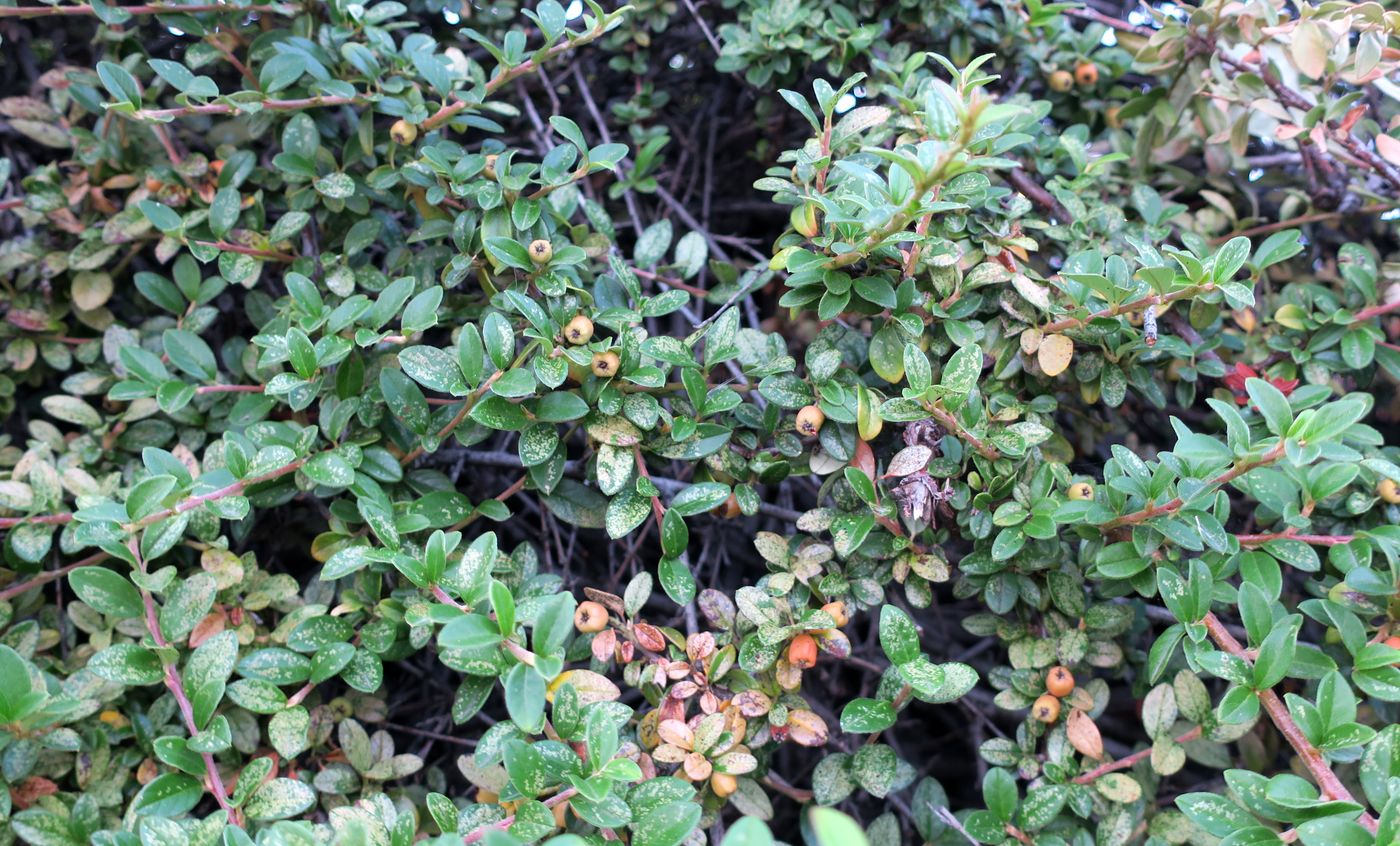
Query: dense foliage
(934,421)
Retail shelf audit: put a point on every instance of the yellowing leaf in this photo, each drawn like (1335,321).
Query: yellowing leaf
(1311,45)
(92,290)
(1030,340)
(1055,354)
(1033,293)
(590,686)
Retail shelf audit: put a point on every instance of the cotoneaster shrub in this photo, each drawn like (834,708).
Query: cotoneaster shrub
(731,423)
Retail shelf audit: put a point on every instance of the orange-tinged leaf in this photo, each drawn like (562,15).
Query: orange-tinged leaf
(1389,148)
(1084,735)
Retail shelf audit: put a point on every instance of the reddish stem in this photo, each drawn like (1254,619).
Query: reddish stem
(176,686)
(674,283)
(229,389)
(1374,311)
(657,509)
(193,502)
(1291,534)
(296,698)
(1126,762)
(42,520)
(1125,308)
(504,77)
(230,247)
(1174,505)
(1315,217)
(467,406)
(48,576)
(1327,781)
(154,9)
(225,109)
(446,598)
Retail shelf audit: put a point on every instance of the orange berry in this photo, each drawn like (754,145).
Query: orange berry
(1086,74)
(1388,491)
(1061,81)
(838,613)
(1059,681)
(810,420)
(802,652)
(590,617)
(729,509)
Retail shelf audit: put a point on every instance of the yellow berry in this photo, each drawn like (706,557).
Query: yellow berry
(1046,709)
(1388,491)
(403,132)
(1081,490)
(1061,81)
(723,784)
(541,251)
(579,331)
(810,420)
(605,364)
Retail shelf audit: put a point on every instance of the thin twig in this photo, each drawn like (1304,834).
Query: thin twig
(1292,534)
(1129,760)
(1316,763)
(154,9)
(49,576)
(1176,503)
(176,686)
(449,111)
(953,427)
(1126,308)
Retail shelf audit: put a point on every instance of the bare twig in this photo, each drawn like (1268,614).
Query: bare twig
(1037,193)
